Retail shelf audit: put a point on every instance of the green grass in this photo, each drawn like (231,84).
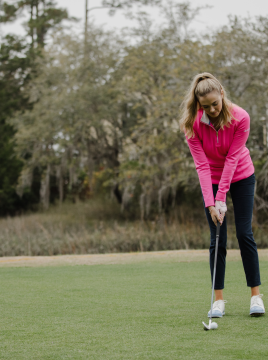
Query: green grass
(138,311)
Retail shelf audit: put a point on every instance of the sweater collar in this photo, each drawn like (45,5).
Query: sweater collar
(205,119)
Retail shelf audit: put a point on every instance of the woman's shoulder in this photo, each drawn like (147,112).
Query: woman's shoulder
(239,113)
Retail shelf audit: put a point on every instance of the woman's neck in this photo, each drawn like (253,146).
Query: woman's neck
(215,122)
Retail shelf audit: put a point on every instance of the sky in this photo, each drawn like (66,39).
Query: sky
(208,18)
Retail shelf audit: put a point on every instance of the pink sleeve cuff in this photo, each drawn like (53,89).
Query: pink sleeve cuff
(210,205)
(220,196)
(209,201)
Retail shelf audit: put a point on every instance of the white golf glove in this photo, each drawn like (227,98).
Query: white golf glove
(221,207)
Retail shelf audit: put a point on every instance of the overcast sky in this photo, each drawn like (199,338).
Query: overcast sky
(216,16)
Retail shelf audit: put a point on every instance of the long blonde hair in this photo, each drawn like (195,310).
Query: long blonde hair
(202,85)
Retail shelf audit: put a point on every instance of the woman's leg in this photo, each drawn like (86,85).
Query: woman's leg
(221,260)
(242,193)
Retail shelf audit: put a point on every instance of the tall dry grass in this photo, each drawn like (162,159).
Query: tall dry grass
(99,227)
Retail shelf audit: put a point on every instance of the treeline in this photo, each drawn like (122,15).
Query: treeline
(83,115)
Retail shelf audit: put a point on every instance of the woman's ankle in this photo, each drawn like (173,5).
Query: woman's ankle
(255,291)
(218,295)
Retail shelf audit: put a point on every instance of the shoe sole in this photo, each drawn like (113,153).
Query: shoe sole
(255,314)
(256,311)
(217,316)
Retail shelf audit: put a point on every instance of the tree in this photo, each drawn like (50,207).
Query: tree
(14,74)
(17,67)
(115,106)
(73,126)
(43,16)
(113,6)
(155,162)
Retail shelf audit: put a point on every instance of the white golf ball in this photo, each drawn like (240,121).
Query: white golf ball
(213,326)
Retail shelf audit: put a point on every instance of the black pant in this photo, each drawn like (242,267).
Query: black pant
(242,193)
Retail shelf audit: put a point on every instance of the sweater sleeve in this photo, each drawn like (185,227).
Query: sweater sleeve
(202,168)
(239,141)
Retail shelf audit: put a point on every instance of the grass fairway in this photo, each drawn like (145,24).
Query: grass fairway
(130,311)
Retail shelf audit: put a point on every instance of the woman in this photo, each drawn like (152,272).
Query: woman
(216,131)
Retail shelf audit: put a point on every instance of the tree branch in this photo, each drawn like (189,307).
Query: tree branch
(99,7)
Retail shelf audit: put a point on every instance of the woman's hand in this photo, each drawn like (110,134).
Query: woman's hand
(215,215)
(221,207)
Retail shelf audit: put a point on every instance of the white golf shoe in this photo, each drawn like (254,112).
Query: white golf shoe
(256,306)
(218,309)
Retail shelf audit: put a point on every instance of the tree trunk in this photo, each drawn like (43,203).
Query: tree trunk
(31,25)
(60,181)
(91,165)
(42,29)
(45,188)
(117,194)
(61,188)
(86,23)
(37,23)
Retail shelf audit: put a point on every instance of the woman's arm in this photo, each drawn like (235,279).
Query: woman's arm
(202,168)
(236,148)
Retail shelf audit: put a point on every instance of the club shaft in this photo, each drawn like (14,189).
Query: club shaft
(215,264)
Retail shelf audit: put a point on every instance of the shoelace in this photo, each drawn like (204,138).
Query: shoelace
(257,300)
(216,303)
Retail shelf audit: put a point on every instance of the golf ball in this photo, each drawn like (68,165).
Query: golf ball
(214,326)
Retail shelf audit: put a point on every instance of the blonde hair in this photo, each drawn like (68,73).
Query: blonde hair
(202,85)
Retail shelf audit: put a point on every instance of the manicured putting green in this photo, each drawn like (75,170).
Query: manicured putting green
(136,311)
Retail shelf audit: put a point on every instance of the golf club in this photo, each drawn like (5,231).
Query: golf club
(213,325)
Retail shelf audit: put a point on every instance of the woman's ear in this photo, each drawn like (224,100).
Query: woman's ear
(221,93)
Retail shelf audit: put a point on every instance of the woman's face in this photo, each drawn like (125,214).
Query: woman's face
(211,103)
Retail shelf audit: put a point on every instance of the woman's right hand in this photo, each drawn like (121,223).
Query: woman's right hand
(215,215)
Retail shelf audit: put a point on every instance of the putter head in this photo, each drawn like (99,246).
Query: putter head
(210,326)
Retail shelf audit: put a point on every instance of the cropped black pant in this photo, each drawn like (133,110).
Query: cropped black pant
(242,193)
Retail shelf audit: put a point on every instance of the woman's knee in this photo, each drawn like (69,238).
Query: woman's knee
(245,236)
(222,243)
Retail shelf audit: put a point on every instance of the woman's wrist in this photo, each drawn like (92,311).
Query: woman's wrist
(210,208)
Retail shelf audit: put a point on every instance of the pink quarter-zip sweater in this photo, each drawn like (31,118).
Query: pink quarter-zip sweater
(221,157)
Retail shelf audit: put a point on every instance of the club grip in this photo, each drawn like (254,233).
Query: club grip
(218,229)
